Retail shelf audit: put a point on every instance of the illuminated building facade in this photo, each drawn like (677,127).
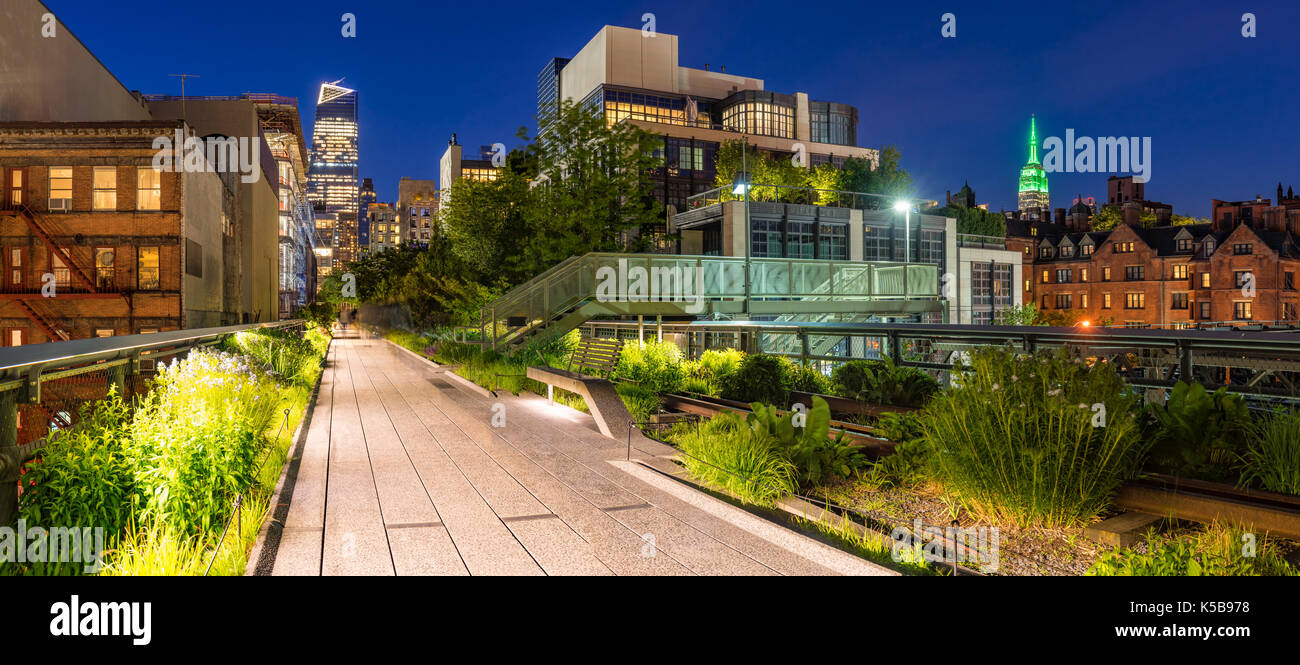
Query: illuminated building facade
(453,166)
(385,230)
(633,79)
(332,182)
(1034,195)
(417,209)
(368,198)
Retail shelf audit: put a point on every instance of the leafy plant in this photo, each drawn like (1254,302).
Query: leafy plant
(652,364)
(1272,458)
(725,453)
(1199,433)
(717,364)
(1218,551)
(760,378)
(906,465)
(641,402)
(805,378)
(883,382)
(1040,438)
(809,447)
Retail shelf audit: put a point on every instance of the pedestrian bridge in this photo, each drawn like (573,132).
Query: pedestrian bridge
(606,284)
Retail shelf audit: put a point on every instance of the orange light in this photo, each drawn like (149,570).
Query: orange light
(1085,323)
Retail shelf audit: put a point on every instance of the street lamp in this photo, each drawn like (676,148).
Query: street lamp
(906,208)
(741,187)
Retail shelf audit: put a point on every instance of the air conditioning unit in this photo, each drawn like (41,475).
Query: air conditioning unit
(60,205)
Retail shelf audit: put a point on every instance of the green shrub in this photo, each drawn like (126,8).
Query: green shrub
(652,364)
(200,435)
(295,359)
(1017,436)
(805,378)
(906,466)
(727,454)
(1218,552)
(700,386)
(1273,456)
(759,378)
(1199,433)
(883,382)
(641,402)
(717,364)
(85,477)
(809,448)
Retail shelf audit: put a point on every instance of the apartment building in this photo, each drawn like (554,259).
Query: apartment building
(385,231)
(1172,276)
(417,209)
(630,77)
(97,242)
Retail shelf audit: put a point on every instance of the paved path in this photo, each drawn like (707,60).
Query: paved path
(403,473)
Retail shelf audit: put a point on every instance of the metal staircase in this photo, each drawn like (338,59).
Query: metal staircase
(607,284)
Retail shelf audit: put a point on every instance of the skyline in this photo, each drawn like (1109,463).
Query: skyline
(1231,93)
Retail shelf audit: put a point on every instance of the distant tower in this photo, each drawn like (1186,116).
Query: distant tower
(1033,179)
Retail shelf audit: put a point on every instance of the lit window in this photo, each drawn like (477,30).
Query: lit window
(148,189)
(61,188)
(148,269)
(105,190)
(104,270)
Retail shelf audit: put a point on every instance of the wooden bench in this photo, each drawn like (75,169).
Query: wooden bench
(587,375)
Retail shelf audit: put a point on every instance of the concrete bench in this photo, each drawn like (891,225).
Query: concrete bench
(598,356)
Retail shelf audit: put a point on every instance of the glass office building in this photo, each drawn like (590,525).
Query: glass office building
(332,179)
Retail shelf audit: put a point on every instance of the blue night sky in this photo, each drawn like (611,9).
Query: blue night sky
(1220,109)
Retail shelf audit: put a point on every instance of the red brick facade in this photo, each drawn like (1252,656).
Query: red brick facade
(1174,276)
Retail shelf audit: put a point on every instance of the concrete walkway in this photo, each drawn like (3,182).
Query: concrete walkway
(403,472)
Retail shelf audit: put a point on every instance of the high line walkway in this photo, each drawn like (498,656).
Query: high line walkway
(402,472)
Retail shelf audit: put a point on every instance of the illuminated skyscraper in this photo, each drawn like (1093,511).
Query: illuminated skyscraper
(1033,179)
(333,174)
(333,185)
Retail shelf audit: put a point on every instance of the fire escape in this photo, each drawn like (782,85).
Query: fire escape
(25,295)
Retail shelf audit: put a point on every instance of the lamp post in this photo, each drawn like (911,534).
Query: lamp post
(741,186)
(906,208)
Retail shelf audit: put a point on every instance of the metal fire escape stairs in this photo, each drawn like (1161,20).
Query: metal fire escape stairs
(33,221)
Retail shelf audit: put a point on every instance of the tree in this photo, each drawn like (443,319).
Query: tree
(888,179)
(486,225)
(1018,315)
(1107,218)
(591,193)
(974,221)
(1179,220)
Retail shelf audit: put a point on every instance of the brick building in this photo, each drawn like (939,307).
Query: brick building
(96,242)
(1168,276)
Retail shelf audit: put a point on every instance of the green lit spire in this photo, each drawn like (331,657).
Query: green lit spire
(1033,141)
(1033,179)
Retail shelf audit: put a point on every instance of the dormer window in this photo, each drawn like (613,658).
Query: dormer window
(1067,251)
(1045,253)
(1184,244)
(1086,250)
(1209,246)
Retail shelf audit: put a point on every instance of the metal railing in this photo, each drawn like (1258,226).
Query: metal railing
(831,198)
(1264,364)
(44,386)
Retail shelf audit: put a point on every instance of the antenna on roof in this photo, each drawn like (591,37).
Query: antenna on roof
(182,77)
